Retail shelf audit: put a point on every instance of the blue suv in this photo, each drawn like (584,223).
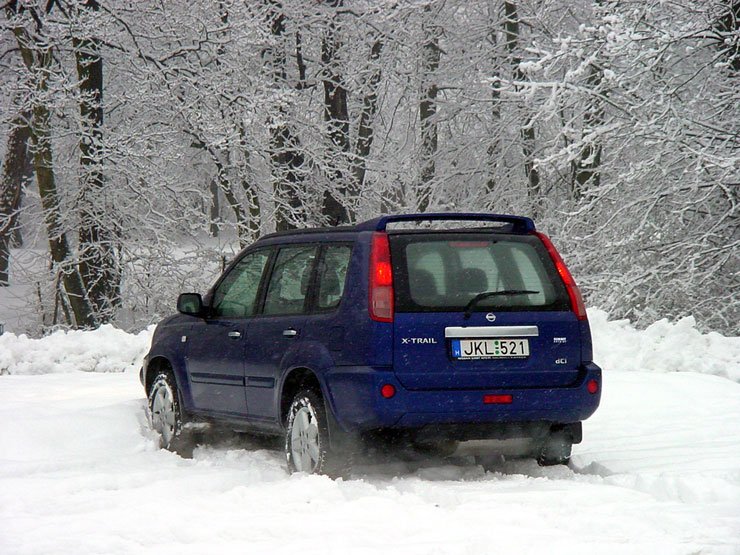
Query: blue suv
(427,329)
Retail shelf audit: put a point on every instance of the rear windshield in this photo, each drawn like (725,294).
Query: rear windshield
(445,271)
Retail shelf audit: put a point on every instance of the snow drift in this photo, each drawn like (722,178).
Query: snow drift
(663,347)
(106,349)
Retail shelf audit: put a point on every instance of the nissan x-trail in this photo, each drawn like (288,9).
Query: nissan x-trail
(395,329)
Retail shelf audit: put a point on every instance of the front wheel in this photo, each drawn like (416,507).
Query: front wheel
(307,446)
(165,413)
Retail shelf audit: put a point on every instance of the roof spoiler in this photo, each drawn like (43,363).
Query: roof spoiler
(520,224)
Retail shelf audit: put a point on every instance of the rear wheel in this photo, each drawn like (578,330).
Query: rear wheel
(307,446)
(556,449)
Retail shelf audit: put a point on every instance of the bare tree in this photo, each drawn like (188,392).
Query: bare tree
(98,253)
(37,56)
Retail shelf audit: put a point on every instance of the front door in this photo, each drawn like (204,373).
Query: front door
(216,344)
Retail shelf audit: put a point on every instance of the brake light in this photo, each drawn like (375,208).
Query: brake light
(469,244)
(381,279)
(576,300)
(498,399)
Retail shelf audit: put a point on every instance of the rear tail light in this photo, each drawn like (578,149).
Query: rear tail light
(576,300)
(381,279)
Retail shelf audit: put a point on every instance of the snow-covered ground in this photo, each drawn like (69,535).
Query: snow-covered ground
(658,471)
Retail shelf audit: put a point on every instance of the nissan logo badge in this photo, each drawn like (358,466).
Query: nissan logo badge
(491,317)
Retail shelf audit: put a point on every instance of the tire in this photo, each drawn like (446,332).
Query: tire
(307,446)
(165,414)
(556,449)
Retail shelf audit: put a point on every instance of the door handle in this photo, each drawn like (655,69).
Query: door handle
(235,334)
(290,332)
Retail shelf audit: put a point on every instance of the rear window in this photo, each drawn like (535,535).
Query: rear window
(444,271)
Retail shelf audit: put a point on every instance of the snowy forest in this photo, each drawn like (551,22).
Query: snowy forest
(144,143)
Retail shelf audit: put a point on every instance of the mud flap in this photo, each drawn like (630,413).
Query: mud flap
(574,431)
(340,440)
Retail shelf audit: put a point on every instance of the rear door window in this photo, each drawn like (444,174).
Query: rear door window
(287,289)
(444,271)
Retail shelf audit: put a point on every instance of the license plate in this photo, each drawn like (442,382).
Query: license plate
(472,349)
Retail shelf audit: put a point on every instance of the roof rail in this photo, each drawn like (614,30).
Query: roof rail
(520,224)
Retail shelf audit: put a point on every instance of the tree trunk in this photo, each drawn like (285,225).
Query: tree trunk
(365,130)
(98,260)
(586,169)
(336,116)
(221,181)
(61,254)
(727,27)
(493,152)
(253,202)
(214,210)
(430,58)
(511,32)
(38,60)
(11,187)
(285,154)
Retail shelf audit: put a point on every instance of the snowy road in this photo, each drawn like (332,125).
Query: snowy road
(658,473)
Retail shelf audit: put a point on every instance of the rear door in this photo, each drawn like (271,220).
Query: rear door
(520,332)
(279,328)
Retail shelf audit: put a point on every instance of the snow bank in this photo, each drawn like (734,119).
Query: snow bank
(106,349)
(663,347)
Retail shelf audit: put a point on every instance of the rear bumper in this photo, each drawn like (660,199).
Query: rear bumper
(354,398)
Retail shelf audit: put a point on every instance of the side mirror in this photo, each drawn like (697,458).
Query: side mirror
(190,304)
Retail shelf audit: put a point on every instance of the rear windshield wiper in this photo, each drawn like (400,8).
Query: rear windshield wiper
(487,294)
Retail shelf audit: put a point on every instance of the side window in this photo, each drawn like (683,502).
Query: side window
(288,286)
(237,293)
(332,273)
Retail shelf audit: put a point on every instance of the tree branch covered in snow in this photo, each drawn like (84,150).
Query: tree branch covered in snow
(615,124)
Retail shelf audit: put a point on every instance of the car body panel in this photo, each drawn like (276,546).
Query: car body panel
(356,410)
(215,365)
(423,360)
